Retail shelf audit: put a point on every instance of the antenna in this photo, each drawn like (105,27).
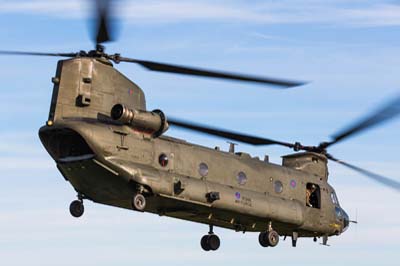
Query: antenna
(232,146)
(356,220)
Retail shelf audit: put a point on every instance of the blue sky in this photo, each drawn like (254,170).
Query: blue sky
(348,50)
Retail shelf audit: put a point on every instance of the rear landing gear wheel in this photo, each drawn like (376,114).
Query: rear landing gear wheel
(210,242)
(213,242)
(204,243)
(76,208)
(139,202)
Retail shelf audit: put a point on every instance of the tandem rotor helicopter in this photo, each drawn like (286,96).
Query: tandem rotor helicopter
(113,151)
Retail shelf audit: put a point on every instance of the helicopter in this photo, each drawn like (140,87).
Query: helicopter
(114,151)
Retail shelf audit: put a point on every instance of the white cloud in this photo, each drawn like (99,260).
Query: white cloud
(268,12)
(175,11)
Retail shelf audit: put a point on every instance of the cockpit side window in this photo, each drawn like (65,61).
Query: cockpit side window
(334,198)
(313,196)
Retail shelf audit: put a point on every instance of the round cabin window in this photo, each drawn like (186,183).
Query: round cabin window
(163,160)
(203,169)
(241,178)
(278,186)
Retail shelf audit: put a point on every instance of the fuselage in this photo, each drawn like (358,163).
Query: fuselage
(108,162)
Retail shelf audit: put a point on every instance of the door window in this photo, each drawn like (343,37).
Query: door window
(313,196)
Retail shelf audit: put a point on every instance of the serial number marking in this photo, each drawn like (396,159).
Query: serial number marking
(244,201)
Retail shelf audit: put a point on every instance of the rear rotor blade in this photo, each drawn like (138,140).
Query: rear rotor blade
(387,112)
(378,178)
(177,69)
(103,27)
(38,53)
(226,134)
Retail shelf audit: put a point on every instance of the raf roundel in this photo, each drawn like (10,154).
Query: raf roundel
(237,195)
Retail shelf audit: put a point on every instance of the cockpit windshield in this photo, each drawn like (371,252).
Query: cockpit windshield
(338,213)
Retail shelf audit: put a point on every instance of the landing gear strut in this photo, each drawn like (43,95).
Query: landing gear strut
(210,241)
(76,207)
(295,236)
(270,238)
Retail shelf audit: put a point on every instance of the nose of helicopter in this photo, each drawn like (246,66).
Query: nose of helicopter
(346,221)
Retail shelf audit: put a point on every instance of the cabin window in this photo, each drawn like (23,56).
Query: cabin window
(313,196)
(241,178)
(278,186)
(203,169)
(163,160)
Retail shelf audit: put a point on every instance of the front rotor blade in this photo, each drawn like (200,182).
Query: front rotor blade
(387,112)
(103,28)
(38,53)
(177,69)
(226,134)
(378,178)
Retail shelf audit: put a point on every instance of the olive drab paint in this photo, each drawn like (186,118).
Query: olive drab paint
(110,162)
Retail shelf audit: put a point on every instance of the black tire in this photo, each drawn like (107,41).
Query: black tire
(213,242)
(139,202)
(204,243)
(262,239)
(273,238)
(76,208)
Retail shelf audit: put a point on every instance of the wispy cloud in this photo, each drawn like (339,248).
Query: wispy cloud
(71,9)
(361,14)
(380,15)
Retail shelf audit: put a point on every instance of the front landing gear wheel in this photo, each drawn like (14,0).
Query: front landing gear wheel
(76,208)
(210,242)
(273,238)
(139,202)
(262,239)
(268,239)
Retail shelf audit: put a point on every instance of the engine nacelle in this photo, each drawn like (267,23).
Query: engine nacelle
(154,123)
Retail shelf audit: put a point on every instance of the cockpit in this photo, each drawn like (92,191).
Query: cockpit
(340,214)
